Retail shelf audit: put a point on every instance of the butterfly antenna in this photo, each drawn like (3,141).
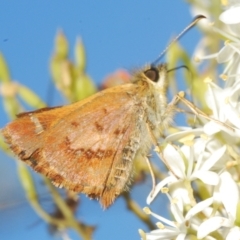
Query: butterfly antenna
(192,24)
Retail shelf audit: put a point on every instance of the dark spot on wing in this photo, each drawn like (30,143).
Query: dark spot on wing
(98,126)
(117,132)
(75,124)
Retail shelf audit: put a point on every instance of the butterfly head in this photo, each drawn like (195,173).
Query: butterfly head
(156,75)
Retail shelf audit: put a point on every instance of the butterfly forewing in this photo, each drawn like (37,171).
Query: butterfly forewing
(95,158)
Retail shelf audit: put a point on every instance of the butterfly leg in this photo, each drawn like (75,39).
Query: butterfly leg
(196,110)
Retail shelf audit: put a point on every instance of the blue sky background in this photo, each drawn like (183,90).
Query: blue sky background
(116,34)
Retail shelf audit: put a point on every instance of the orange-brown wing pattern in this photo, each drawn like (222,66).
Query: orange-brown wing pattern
(91,145)
(25,134)
(90,149)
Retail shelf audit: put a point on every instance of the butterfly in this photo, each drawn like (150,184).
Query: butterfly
(89,146)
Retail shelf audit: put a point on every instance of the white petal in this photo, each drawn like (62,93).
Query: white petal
(162,234)
(229,193)
(232,115)
(199,146)
(234,234)
(199,150)
(183,133)
(198,208)
(174,160)
(210,178)
(231,16)
(211,225)
(216,155)
(186,150)
(158,188)
(178,216)
(213,99)
(188,154)
(234,93)
(181,236)
(234,29)
(178,191)
(211,128)
(232,68)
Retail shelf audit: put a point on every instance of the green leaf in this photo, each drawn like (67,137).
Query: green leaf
(61,45)
(30,97)
(11,106)
(4,71)
(27,181)
(84,87)
(80,55)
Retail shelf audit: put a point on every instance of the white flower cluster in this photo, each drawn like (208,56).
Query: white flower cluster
(203,181)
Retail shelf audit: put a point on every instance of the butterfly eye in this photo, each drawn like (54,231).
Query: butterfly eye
(152,74)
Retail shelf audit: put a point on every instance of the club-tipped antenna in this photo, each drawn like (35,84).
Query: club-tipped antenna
(192,24)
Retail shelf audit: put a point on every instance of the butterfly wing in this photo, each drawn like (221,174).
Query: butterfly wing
(87,147)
